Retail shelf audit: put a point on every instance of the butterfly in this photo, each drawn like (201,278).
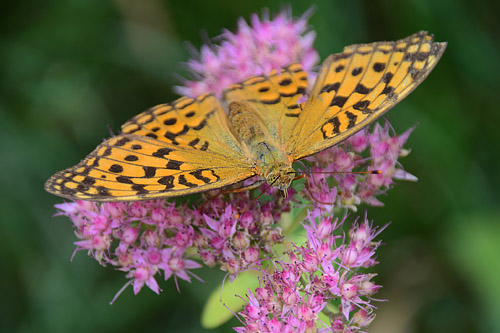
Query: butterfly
(259,127)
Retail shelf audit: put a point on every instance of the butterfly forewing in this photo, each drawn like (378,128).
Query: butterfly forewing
(359,85)
(131,167)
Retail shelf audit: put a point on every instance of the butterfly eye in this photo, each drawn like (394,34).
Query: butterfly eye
(271,178)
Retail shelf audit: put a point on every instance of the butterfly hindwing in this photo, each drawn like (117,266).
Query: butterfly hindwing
(200,123)
(131,167)
(274,98)
(357,86)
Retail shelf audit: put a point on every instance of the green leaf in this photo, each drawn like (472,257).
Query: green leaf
(215,312)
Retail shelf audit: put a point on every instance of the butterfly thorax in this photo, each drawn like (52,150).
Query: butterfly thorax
(270,160)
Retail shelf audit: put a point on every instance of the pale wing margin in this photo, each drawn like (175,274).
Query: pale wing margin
(342,104)
(131,167)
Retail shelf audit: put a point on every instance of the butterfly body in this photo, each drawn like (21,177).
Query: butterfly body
(270,159)
(259,126)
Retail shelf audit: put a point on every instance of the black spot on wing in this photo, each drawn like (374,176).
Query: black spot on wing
(106,152)
(330,87)
(162,152)
(378,67)
(88,181)
(356,71)
(124,180)
(102,191)
(205,146)
(387,77)
(285,82)
(139,188)
(360,88)
(198,175)
(82,188)
(149,171)
(116,168)
(389,91)
(183,181)
(131,158)
(170,121)
(173,165)
(352,119)
(194,142)
(122,142)
(361,105)
(336,127)
(168,181)
(338,101)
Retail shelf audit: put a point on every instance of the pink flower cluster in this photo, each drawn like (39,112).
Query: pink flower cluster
(322,270)
(252,50)
(146,238)
(333,180)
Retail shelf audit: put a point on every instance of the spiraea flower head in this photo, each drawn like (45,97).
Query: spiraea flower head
(254,49)
(291,297)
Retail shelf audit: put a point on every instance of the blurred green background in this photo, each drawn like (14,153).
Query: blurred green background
(69,68)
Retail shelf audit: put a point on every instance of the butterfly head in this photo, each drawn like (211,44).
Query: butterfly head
(281,176)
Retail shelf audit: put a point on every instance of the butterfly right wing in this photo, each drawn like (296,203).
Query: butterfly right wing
(132,167)
(357,86)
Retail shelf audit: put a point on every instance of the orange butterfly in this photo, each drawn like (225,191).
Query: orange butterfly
(259,127)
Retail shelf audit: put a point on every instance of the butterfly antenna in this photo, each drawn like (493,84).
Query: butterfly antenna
(369,172)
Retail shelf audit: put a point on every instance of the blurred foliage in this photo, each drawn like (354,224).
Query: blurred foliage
(69,68)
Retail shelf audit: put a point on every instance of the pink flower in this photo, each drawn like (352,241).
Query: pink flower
(254,49)
(174,263)
(144,275)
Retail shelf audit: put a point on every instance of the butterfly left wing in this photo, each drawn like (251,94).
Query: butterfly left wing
(274,98)
(357,86)
(132,167)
